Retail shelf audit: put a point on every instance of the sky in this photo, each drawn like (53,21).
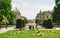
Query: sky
(30,8)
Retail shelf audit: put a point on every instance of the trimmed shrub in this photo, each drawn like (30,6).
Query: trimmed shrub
(44,23)
(48,24)
(19,23)
(23,23)
(30,27)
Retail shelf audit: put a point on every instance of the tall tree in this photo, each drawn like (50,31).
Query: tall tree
(5,10)
(56,13)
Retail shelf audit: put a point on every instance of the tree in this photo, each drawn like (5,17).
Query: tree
(48,24)
(3,20)
(36,21)
(19,23)
(6,6)
(44,23)
(23,23)
(56,13)
(11,16)
(26,20)
(0,19)
(5,10)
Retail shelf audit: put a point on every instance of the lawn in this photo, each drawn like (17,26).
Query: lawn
(31,34)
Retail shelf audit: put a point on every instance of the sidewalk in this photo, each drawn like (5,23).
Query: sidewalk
(3,30)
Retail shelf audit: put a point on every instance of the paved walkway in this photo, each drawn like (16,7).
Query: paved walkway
(3,30)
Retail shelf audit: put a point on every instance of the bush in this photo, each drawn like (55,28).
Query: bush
(44,23)
(48,24)
(23,23)
(19,23)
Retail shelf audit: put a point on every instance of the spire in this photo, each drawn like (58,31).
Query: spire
(40,11)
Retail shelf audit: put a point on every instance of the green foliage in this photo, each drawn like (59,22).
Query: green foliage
(25,20)
(20,23)
(3,20)
(5,10)
(36,21)
(1,17)
(5,4)
(44,23)
(56,13)
(56,1)
(11,17)
(48,23)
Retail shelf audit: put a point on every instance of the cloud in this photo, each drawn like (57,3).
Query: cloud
(45,7)
(25,8)
(28,9)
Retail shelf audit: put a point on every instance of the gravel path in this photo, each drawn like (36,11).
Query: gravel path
(3,30)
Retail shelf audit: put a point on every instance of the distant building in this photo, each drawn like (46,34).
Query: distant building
(47,15)
(23,17)
(31,24)
(18,14)
(41,16)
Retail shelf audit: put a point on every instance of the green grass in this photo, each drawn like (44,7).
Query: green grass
(31,34)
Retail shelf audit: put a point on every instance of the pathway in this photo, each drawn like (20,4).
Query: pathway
(3,30)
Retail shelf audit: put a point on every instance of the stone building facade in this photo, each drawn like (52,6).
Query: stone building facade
(47,15)
(18,14)
(41,16)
